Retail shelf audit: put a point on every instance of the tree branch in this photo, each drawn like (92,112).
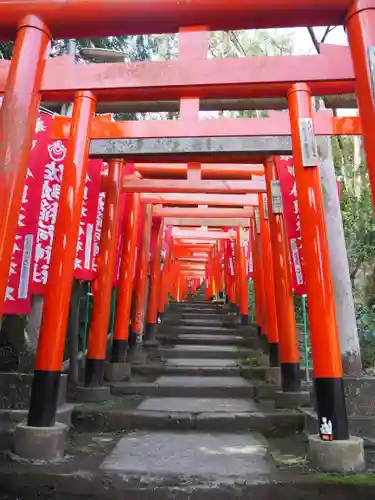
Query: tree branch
(314,39)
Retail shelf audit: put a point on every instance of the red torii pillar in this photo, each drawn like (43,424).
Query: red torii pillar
(258,281)
(243,287)
(328,373)
(268,280)
(163,299)
(97,341)
(18,114)
(289,355)
(115,369)
(52,336)
(140,291)
(155,289)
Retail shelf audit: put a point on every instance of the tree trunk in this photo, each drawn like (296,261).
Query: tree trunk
(349,341)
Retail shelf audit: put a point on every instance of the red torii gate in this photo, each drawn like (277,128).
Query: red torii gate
(82,18)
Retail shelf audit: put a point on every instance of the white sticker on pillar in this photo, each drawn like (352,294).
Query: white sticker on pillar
(265,205)
(257,220)
(296,261)
(308,143)
(277,201)
(23,287)
(88,245)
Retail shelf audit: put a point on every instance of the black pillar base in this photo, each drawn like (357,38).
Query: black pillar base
(221,295)
(43,400)
(290,377)
(273,349)
(150,331)
(119,351)
(132,341)
(227,299)
(259,330)
(331,408)
(94,372)
(244,319)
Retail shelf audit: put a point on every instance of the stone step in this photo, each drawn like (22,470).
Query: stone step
(216,340)
(196,330)
(204,313)
(202,305)
(206,316)
(190,367)
(204,351)
(188,387)
(179,466)
(177,455)
(201,322)
(189,414)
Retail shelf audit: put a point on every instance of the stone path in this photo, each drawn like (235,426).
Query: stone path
(187,426)
(217,406)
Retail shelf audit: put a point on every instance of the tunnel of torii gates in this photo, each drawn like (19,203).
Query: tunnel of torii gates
(286,82)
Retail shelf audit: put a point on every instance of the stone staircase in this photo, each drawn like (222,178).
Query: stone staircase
(196,421)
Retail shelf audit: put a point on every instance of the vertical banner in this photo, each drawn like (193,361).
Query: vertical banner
(230,256)
(53,170)
(120,238)
(285,168)
(85,245)
(17,298)
(99,218)
(249,256)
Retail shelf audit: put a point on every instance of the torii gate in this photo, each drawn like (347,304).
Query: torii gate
(25,78)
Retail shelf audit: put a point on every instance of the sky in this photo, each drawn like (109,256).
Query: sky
(303,44)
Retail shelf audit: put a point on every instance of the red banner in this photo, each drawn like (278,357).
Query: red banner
(231,255)
(249,256)
(53,167)
(288,186)
(17,299)
(99,219)
(85,245)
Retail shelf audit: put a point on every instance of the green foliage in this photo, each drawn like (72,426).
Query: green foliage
(359,228)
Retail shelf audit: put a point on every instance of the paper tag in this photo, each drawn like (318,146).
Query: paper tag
(88,245)
(277,201)
(308,143)
(23,287)
(265,205)
(296,261)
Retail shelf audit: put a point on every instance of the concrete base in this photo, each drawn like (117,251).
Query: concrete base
(263,358)
(40,443)
(273,375)
(292,399)
(137,355)
(337,456)
(116,372)
(92,394)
